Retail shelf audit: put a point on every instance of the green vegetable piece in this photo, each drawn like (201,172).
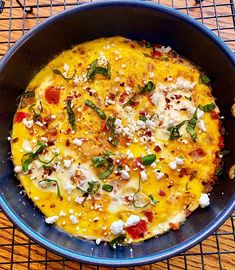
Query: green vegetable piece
(191,126)
(37,115)
(67,79)
(28,158)
(48,180)
(149,87)
(142,118)
(107,172)
(148,160)
(174,131)
(99,161)
(154,201)
(47,162)
(111,127)
(71,115)
(117,240)
(93,187)
(224,153)
(130,102)
(204,79)
(107,187)
(96,109)
(207,107)
(94,69)
(148,44)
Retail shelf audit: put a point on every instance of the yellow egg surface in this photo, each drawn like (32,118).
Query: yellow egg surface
(117,140)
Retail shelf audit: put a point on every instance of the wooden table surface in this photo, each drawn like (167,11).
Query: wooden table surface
(16,250)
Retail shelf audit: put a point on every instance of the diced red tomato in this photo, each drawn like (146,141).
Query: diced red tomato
(149,215)
(137,231)
(214,115)
(161,192)
(20,116)
(123,97)
(103,126)
(52,95)
(156,54)
(135,162)
(197,154)
(157,148)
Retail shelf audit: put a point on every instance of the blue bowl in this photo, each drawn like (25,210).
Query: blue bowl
(136,20)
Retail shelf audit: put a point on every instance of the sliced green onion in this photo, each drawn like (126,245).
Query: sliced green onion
(110,126)
(150,86)
(48,180)
(99,161)
(129,102)
(148,160)
(142,118)
(117,240)
(71,115)
(58,72)
(96,109)
(94,69)
(107,187)
(47,162)
(93,187)
(191,126)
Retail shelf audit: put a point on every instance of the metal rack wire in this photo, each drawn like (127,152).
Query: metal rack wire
(16,250)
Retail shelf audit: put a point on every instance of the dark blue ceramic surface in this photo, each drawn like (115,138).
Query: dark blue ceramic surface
(136,20)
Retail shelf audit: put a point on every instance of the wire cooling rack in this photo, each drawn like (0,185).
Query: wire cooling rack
(16,250)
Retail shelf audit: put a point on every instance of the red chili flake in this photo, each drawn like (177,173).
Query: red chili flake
(50,143)
(16,139)
(103,125)
(127,199)
(52,95)
(221,142)
(161,192)
(130,81)
(167,100)
(20,116)
(214,115)
(156,54)
(67,131)
(122,84)
(148,133)
(197,154)
(178,96)
(137,231)
(67,142)
(157,148)
(123,97)
(135,162)
(149,215)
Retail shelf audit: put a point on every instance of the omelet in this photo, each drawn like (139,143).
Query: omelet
(117,140)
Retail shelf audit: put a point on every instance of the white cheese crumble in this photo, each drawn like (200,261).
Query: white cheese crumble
(28,123)
(67,163)
(73,219)
(204,200)
(51,220)
(173,165)
(77,142)
(62,213)
(125,175)
(132,220)
(143,175)
(69,188)
(201,124)
(159,175)
(27,146)
(18,169)
(117,227)
(200,113)
(79,200)
(129,154)
(179,161)
(98,241)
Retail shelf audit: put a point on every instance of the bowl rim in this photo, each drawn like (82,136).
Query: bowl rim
(117,262)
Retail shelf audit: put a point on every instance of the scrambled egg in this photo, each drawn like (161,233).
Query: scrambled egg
(117,140)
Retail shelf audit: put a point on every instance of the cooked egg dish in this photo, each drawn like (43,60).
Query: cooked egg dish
(117,140)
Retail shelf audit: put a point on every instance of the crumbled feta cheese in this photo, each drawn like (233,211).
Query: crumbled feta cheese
(159,174)
(51,220)
(125,175)
(129,154)
(155,98)
(117,227)
(200,113)
(143,175)
(128,90)
(27,146)
(173,165)
(55,151)
(127,168)
(62,213)
(109,101)
(67,163)
(9,138)
(66,67)
(28,123)
(69,188)
(73,219)
(77,142)
(79,200)
(18,169)
(36,198)
(179,161)
(98,241)
(204,200)
(132,220)
(183,84)
(102,60)
(202,125)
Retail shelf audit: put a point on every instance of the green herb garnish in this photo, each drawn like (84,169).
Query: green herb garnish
(37,115)
(204,79)
(58,72)
(117,240)
(48,180)
(207,107)
(71,115)
(107,172)
(130,102)
(93,187)
(174,131)
(28,158)
(143,118)
(99,161)
(110,126)
(191,126)
(148,87)
(148,160)
(94,69)
(154,201)
(107,187)
(96,109)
